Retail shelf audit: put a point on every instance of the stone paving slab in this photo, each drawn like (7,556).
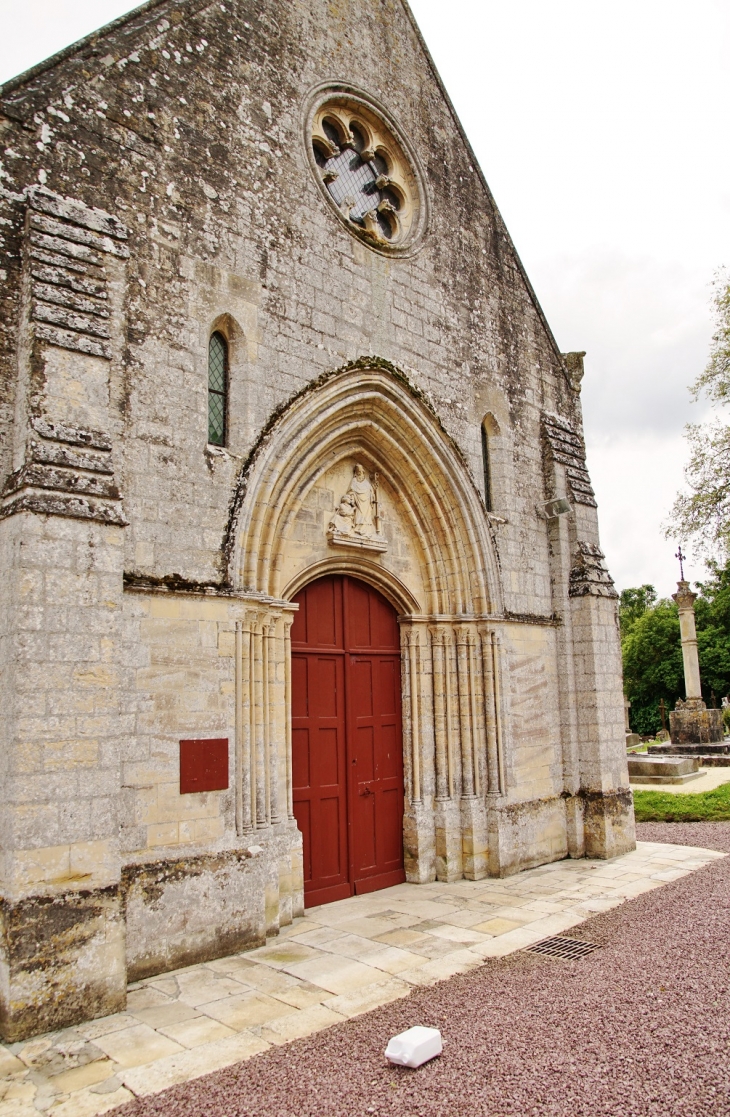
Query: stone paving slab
(708,779)
(339,961)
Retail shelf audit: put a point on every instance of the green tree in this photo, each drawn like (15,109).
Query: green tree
(703,513)
(652,655)
(652,650)
(712,610)
(633,603)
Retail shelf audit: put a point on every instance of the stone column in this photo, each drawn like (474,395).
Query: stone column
(419,853)
(472,805)
(691,723)
(248,725)
(238,766)
(287,623)
(446,808)
(685,600)
(258,745)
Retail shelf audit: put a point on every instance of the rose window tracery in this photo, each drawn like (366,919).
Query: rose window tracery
(365,172)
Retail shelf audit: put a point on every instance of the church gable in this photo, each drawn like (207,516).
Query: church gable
(212,132)
(279,416)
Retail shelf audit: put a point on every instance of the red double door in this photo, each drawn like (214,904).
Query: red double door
(347,752)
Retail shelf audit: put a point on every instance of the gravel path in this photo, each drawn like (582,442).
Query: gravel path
(640,1028)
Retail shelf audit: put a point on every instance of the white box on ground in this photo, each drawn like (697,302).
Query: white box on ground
(414,1047)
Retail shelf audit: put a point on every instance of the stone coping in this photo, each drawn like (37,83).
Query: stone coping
(707,780)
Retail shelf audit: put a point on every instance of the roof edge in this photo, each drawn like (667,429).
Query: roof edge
(73,48)
(89,40)
(485,184)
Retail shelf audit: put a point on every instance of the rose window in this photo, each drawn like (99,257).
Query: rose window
(365,172)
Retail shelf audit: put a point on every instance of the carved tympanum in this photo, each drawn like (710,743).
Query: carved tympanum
(357,521)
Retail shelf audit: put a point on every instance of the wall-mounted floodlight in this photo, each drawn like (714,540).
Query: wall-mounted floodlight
(557,507)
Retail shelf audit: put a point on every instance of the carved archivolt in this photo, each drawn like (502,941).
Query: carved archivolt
(350,427)
(438,506)
(365,168)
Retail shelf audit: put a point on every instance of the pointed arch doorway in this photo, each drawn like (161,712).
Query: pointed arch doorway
(347,750)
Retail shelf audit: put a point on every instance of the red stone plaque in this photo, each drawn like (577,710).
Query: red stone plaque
(204,765)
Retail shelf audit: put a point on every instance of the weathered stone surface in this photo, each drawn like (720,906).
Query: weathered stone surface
(693,724)
(64,960)
(654,769)
(186,910)
(708,753)
(158,184)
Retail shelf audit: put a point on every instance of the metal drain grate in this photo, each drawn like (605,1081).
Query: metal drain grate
(559,947)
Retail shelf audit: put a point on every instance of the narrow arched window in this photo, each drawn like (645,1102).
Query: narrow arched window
(486,464)
(217,389)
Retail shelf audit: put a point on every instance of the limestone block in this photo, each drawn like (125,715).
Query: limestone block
(66,961)
(694,724)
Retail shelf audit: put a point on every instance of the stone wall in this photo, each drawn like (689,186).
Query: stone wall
(157,184)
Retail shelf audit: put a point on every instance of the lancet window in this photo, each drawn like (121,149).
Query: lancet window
(217,389)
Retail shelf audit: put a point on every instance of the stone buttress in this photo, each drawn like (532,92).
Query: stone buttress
(289,182)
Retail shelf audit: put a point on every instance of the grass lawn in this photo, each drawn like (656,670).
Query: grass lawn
(702,806)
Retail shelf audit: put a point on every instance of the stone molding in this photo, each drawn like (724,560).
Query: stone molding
(588,574)
(67,472)
(684,598)
(565,446)
(367,411)
(576,370)
(66,243)
(263,720)
(454,744)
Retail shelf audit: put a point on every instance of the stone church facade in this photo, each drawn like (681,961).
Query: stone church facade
(301,590)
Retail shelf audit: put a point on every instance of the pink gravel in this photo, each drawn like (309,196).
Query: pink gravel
(640,1028)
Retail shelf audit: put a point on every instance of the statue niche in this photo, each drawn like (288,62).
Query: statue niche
(356,521)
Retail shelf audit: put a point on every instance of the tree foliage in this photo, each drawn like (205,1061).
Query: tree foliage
(703,513)
(633,604)
(652,650)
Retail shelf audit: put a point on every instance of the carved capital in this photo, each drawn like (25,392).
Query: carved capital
(684,597)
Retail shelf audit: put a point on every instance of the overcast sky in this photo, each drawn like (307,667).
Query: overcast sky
(603,132)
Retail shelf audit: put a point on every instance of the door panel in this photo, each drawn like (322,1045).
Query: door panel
(347,760)
(301,777)
(319,773)
(383,815)
(358,615)
(318,624)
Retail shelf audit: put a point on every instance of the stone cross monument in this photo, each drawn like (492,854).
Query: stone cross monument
(691,722)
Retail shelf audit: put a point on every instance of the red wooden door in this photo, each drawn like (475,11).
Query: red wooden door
(347,752)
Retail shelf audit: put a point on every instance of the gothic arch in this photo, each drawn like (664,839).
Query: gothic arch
(381,579)
(374,411)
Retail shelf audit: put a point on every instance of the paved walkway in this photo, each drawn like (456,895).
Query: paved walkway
(709,779)
(340,961)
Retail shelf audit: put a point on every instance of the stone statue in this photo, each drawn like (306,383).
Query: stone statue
(343,520)
(356,520)
(363,493)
